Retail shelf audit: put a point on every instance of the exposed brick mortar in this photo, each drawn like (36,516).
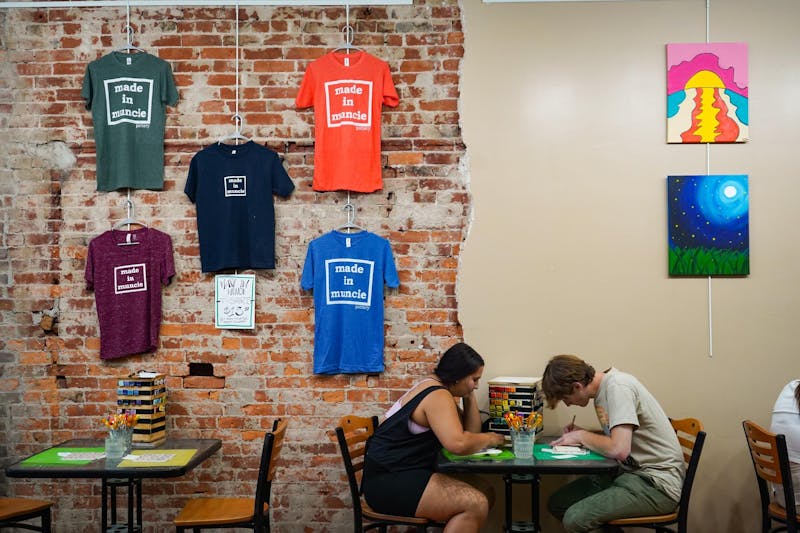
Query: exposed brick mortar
(55,387)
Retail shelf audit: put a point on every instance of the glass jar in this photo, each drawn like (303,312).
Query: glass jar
(119,443)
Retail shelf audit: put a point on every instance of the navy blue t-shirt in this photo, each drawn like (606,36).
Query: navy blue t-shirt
(233,188)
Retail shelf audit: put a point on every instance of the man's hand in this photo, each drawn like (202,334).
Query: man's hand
(569,438)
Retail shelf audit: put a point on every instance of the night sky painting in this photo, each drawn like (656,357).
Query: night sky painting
(709,228)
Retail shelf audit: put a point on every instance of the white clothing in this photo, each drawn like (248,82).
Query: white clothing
(786,420)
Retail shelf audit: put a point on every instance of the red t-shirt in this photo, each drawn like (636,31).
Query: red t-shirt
(127,282)
(347,92)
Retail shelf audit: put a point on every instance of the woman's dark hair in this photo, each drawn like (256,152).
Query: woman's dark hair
(459,361)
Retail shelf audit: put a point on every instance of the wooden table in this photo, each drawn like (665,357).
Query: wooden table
(113,475)
(527,471)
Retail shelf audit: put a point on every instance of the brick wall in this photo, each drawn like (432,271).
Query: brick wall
(54,386)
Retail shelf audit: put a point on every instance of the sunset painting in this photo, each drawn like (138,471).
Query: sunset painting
(709,227)
(707,93)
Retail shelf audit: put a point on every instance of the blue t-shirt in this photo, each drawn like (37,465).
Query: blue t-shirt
(232,187)
(347,272)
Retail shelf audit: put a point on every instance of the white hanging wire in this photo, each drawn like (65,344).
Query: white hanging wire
(237,118)
(349,32)
(129,46)
(708,171)
(710,302)
(236,115)
(710,322)
(129,31)
(129,204)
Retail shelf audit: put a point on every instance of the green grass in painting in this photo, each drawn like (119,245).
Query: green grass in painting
(708,262)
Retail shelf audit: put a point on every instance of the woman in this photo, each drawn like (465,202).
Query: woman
(399,475)
(786,420)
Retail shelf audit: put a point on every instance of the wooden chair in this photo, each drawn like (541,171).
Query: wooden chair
(206,513)
(14,511)
(691,437)
(352,435)
(771,463)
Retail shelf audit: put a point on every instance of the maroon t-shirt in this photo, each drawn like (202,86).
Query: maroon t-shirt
(127,279)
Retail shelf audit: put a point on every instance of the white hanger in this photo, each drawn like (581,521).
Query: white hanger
(349,34)
(130,47)
(236,135)
(129,221)
(350,226)
(348,46)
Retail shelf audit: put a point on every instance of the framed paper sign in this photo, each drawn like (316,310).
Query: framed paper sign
(235,299)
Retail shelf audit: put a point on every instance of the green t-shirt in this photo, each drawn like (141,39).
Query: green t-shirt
(128,95)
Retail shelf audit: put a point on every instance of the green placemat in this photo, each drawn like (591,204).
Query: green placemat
(538,453)
(502,456)
(61,456)
(547,456)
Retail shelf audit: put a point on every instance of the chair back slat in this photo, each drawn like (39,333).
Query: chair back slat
(687,429)
(273,442)
(278,434)
(352,434)
(764,452)
(771,464)
(686,447)
(692,439)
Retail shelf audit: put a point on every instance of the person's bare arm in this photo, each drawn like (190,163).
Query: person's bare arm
(440,414)
(617,446)
(472,416)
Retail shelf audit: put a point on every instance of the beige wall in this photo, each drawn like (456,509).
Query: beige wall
(563,109)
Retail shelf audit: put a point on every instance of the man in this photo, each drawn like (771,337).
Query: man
(636,432)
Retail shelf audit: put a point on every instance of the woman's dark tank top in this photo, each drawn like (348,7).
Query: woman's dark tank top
(395,448)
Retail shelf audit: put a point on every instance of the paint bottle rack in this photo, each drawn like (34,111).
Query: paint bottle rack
(521,395)
(145,394)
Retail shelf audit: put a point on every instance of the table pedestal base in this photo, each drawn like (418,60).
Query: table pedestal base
(134,523)
(509,480)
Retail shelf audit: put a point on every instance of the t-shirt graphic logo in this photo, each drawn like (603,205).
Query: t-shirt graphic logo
(349,103)
(129,100)
(130,278)
(235,185)
(349,281)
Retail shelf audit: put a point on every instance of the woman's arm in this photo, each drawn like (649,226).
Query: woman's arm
(472,416)
(441,415)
